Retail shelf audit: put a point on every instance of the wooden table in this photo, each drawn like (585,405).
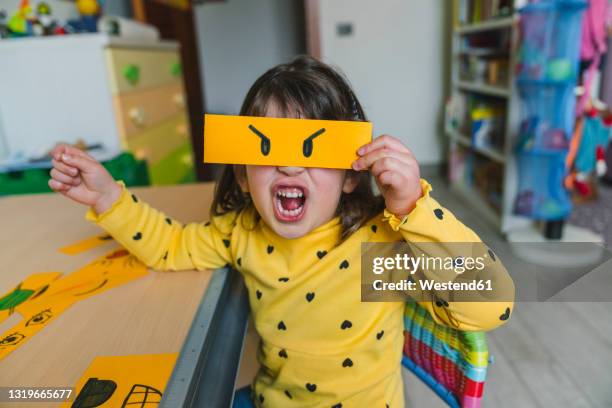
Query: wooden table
(149,315)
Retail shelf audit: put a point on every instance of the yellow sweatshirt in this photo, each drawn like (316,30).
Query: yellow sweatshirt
(321,346)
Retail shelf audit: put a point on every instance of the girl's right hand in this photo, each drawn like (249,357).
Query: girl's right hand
(82,178)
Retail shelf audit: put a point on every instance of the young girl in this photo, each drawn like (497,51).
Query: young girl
(295,235)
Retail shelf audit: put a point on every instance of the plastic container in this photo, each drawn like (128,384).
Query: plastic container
(541,194)
(123,167)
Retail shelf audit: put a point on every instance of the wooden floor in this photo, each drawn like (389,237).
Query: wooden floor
(549,354)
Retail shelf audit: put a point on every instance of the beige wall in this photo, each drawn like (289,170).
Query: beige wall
(397,60)
(238,40)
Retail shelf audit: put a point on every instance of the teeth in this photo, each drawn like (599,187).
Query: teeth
(290,193)
(288,213)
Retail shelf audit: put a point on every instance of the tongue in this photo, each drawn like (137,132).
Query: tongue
(291,203)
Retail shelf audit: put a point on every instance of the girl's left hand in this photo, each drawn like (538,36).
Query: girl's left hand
(395,170)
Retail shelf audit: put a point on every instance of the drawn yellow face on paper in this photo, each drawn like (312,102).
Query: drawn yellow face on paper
(283,141)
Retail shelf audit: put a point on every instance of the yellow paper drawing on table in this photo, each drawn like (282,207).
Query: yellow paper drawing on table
(28,290)
(124,381)
(31,324)
(86,244)
(283,141)
(106,272)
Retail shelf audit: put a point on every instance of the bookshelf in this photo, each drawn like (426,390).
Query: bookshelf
(483,110)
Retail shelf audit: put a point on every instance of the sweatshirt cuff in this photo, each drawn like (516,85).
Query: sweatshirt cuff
(94,217)
(394,221)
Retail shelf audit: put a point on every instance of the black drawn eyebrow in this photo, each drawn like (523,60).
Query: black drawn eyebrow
(316,134)
(257,132)
(307,145)
(265,140)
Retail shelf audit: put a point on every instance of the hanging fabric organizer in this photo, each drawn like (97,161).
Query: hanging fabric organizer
(546,78)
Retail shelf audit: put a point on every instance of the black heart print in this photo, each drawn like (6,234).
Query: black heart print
(344,264)
(310,296)
(226,242)
(134,198)
(346,325)
(439,213)
(137,236)
(374,228)
(270,249)
(311,387)
(288,394)
(281,325)
(321,254)
(441,302)
(239,261)
(380,334)
(347,362)
(284,279)
(168,221)
(506,314)
(258,294)
(282,353)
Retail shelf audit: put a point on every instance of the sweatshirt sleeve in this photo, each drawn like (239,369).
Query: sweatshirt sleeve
(432,231)
(163,243)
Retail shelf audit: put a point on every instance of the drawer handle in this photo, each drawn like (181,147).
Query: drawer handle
(176,69)
(179,100)
(131,73)
(137,115)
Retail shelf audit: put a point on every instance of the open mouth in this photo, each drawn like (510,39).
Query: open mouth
(289,203)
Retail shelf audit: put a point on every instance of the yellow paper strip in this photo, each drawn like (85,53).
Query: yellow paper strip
(36,320)
(124,381)
(106,272)
(283,141)
(86,244)
(28,290)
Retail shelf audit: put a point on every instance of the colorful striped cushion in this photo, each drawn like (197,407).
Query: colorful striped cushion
(452,363)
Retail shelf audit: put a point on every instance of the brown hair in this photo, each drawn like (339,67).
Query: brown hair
(309,89)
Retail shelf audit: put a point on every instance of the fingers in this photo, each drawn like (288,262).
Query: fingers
(64,168)
(81,162)
(383,142)
(65,178)
(58,150)
(369,159)
(70,150)
(58,186)
(389,178)
(388,164)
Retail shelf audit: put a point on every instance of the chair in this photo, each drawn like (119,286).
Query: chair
(452,363)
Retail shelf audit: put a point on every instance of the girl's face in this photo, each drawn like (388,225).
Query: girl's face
(294,200)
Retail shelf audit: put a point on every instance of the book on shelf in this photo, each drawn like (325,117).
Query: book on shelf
(477,11)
